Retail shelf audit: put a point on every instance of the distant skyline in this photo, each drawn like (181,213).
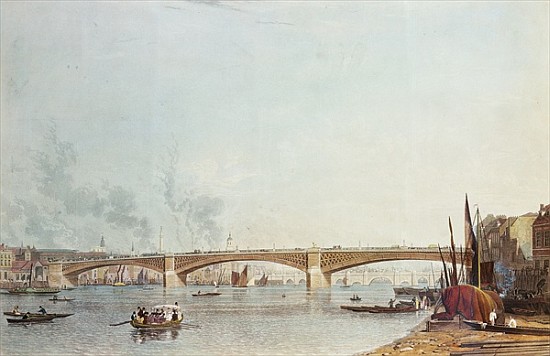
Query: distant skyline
(282,123)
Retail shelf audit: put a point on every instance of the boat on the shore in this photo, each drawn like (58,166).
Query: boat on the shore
(418,292)
(119,284)
(208,294)
(525,312)
(406,303)
(31,319)
(378,309)
(53,315)
(481,326)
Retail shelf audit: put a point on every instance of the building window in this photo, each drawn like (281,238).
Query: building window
(546,264)
(538,242)
(547,239)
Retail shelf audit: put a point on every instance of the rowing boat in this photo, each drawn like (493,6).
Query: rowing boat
(148,322)
(65,299)
(31,319)
(209,294)
(53,315)
(478,325)
(377,309)
(169,324)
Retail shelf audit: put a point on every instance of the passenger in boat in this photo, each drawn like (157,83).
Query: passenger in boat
(134,315)
(512,323)
(492,317)
(199,292)
(41,310)
(174,315)
(55,297)
(390,303)
(27,315)
(15,310)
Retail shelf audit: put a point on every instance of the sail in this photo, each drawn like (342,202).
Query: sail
(234,278)
(263,281)
(243,278)
(471,243)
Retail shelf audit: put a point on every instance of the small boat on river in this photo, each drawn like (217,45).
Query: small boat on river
(378,309)
(31,319)
(208,294)
(478,325)
(172,319)
(64,299)
(53,315)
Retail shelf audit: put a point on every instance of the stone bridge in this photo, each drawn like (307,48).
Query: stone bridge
(318,263)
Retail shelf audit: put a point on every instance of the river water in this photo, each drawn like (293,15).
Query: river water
(241,321)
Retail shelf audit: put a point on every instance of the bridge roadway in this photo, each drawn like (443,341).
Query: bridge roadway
(318,263)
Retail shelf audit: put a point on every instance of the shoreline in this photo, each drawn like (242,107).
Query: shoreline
(420,341)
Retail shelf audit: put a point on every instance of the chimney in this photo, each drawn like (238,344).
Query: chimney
(541,208)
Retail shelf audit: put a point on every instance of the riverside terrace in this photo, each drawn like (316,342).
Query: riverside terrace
(318,263)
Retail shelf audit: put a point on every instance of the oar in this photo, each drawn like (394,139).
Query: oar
(190,325)
(121,323)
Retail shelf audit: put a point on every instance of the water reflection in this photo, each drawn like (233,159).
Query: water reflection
(142,336)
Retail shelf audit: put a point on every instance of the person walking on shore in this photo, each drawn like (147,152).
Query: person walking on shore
(492,317)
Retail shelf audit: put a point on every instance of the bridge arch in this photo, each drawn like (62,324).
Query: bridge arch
(70,270)
(381,280)
(336,261)
(186,264)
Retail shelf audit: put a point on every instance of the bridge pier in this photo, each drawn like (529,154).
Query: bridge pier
(315,278)
(56,279)
(170,279)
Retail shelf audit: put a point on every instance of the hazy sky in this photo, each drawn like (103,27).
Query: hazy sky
(284,123)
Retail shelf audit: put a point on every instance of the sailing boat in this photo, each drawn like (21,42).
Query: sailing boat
(345,281)
(33,290)
(263,281)
(240,280)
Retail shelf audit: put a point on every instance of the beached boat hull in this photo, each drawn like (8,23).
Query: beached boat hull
(522,311)
(478,325)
